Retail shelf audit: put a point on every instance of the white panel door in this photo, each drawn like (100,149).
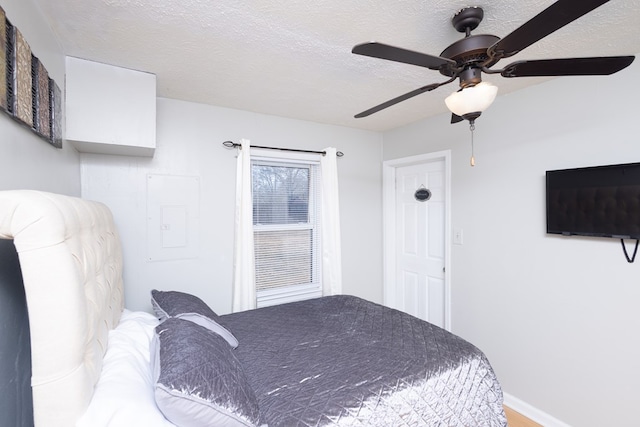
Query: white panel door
(420,241)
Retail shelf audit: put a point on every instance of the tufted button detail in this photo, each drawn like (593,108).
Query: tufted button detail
(71,261)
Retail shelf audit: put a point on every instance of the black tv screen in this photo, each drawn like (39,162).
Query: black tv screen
(601,201)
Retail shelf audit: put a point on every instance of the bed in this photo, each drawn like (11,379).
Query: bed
(331,361)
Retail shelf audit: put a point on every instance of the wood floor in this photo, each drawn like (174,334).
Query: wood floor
(515,419)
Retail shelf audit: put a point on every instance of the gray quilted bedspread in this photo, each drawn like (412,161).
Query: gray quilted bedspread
(344,361)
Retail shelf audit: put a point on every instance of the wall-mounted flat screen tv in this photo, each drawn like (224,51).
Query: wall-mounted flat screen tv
(601,201)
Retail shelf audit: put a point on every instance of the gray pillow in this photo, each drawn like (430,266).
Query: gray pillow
(198,381)
(171,303)
(167,304)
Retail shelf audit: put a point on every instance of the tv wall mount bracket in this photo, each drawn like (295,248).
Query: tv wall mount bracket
(626,254)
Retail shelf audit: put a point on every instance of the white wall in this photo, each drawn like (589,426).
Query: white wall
(27,161)
(189,142)
(557,316)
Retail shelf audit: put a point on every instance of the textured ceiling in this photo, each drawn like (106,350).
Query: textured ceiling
(293,58)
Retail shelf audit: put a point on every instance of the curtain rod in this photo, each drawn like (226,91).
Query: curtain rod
(231,144)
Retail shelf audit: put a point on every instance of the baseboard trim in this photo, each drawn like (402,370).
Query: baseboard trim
(532,412)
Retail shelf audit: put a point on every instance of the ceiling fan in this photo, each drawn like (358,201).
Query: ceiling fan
(473,55)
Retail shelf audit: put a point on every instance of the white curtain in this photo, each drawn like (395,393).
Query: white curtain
(331,252)
(244,288)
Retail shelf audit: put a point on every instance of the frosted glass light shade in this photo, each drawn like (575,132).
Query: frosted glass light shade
(474,99)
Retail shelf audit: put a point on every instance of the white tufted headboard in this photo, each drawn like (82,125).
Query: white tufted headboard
(71,263)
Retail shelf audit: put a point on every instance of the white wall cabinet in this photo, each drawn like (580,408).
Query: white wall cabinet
(109,109)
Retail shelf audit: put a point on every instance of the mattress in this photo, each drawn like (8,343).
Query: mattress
(344,361)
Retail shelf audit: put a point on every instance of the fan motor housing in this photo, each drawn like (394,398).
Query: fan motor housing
(469,51)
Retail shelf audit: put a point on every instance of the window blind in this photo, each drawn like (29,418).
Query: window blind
(286,231)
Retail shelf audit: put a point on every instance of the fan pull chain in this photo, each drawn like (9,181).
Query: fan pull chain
(472,127)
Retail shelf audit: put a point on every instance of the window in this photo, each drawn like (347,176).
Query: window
(286,230)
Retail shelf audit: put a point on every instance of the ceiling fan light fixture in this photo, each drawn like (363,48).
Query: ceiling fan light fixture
(472,99)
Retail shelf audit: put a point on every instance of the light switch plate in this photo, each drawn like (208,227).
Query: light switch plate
(457,236)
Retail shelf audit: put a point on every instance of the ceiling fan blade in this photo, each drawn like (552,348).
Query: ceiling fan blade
(546,22)
(456,118)
(397,54)
(398,99)
(598,66)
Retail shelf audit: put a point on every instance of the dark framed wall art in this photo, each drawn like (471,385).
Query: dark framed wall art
(27,93)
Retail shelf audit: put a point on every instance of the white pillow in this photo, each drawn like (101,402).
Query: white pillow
(124,394)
